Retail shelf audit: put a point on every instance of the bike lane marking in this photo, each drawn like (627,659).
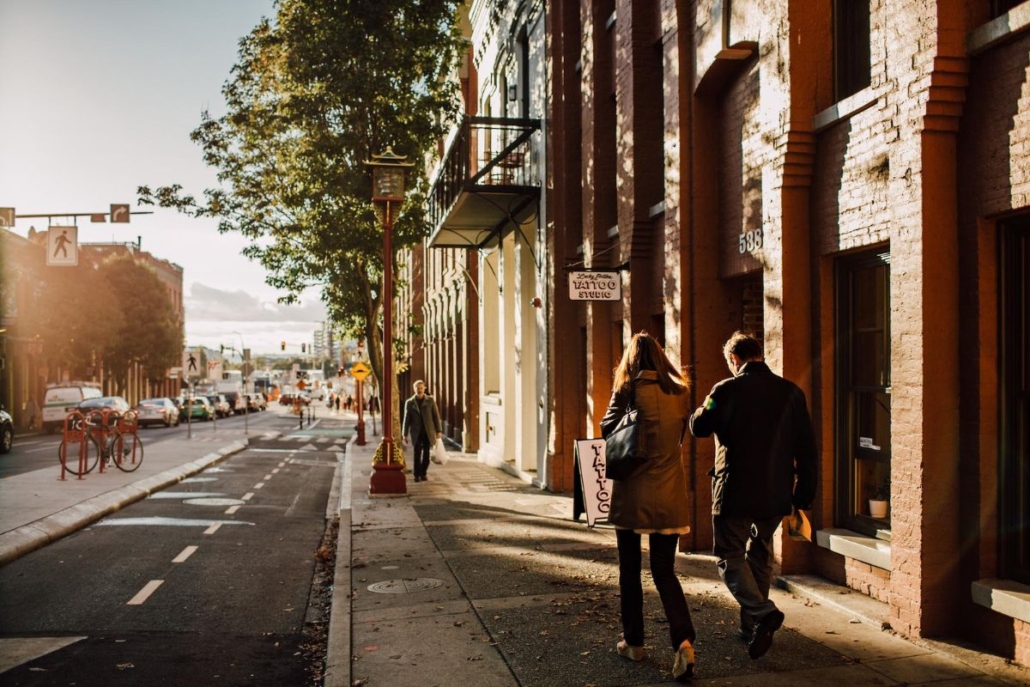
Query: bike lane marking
(145,593)
(186,553)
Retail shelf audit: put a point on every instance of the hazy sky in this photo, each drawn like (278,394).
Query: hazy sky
(98,97)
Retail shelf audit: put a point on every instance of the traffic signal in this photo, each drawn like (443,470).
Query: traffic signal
(282,345)
(303,348)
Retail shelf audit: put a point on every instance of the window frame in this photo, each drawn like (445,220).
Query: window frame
(849,510)
(852,47)
(1014,400)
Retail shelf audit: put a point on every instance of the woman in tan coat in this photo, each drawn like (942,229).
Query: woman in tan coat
(653,500)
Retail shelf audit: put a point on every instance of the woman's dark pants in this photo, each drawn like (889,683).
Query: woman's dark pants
(663,572)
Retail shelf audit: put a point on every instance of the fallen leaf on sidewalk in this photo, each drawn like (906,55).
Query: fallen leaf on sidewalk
(123,666)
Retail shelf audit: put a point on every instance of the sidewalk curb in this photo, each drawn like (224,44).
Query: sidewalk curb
(337,671)
(27,538)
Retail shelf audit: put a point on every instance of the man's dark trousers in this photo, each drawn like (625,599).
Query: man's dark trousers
(421,455)
(743,546)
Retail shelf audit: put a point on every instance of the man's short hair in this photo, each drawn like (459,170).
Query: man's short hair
(417,382)
(743,345)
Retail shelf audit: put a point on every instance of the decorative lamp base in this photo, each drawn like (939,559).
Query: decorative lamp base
(388,472)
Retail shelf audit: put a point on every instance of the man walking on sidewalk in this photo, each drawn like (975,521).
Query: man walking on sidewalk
(422,424)
(764,439)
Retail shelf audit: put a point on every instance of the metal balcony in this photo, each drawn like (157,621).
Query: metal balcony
(487,178)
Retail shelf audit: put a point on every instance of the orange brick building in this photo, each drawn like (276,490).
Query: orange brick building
(848,179)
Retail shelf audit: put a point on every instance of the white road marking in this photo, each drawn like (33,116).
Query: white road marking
(248,496)
(231,510)
(267,477)
(259,485)
(16,651)
(213,528)
(145,593)
(186,553)
(167,522)
(275,471)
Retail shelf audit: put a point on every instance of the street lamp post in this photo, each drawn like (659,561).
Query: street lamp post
(388,172)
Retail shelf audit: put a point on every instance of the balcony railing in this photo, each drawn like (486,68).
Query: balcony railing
(488,155)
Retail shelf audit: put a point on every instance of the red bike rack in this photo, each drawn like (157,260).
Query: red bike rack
(74,433)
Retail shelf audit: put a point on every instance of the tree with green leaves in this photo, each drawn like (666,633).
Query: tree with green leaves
(147,330)
(313,95)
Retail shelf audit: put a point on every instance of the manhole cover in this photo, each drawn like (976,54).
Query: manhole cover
(214,502)
(404,586)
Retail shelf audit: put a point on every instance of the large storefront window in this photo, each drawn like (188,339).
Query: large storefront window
(863,397)
(1014,301)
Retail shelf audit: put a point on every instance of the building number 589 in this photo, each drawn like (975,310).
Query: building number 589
(750,241)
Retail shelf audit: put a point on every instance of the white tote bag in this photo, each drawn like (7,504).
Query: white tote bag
(439,453)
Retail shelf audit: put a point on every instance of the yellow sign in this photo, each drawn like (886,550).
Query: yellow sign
(360,371)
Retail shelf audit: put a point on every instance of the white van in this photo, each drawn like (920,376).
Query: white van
(61,399)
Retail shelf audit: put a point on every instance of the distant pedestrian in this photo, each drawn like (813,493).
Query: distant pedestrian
(423,425)
(350,402)
(764,439)
(654,500)
(32,412)
(336,400)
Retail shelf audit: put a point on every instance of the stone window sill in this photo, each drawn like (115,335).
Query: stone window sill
(870,550)
(1000,29)
(844,109)
(1003,596)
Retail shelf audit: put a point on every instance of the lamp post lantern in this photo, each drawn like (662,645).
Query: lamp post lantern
(388,177)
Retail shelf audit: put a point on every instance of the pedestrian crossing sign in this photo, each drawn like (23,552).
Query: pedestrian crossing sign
(62,246)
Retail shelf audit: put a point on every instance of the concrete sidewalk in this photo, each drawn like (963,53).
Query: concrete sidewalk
(476,577)
(37,508)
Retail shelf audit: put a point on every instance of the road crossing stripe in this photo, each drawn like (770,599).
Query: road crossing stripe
(231,509)
(145,593)
(186,553)
(213,528)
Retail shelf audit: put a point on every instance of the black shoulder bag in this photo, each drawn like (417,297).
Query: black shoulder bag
(625,448)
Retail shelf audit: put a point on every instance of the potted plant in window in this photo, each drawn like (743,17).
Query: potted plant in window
(880,499)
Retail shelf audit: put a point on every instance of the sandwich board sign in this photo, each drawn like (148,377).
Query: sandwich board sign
(597,488)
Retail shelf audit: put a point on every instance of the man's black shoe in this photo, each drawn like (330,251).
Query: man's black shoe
(764,630)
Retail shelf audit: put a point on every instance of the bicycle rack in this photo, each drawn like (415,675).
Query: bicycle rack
(103,431)
(74,433)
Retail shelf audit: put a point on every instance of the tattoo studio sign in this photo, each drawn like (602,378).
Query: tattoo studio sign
(591,285)
(597,488)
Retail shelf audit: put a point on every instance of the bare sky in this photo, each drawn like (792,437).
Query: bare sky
(98,97)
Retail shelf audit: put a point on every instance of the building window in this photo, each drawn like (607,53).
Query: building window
(1000,7)
(851,65)
(863,463)
(1014,473)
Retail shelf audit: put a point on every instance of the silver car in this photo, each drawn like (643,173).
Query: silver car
(157,411)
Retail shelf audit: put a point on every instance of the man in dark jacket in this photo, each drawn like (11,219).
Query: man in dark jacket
(422,424)
(764,440)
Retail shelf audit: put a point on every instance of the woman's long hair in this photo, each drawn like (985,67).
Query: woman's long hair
(644,353)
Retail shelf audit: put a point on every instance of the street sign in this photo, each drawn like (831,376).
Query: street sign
(360,371)
(6,217)
(62,246)
(191,363)
(595,285)
(119,213)
(302,385)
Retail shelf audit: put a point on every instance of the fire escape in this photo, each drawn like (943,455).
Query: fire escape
(488,177)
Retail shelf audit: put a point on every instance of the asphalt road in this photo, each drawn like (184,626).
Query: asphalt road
(175,591)
(32,452)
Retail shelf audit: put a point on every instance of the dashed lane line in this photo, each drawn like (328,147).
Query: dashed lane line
(259,485)
(231,509)
(248,496)
(213,528)
(145,593)
(267,477)
(186,553)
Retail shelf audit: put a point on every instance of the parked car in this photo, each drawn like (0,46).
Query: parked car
(221,405)
(200,409)
(6,431)
(61,399)
(158,411)
(285,398)
(237,404)
(104,403)
(262,401)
